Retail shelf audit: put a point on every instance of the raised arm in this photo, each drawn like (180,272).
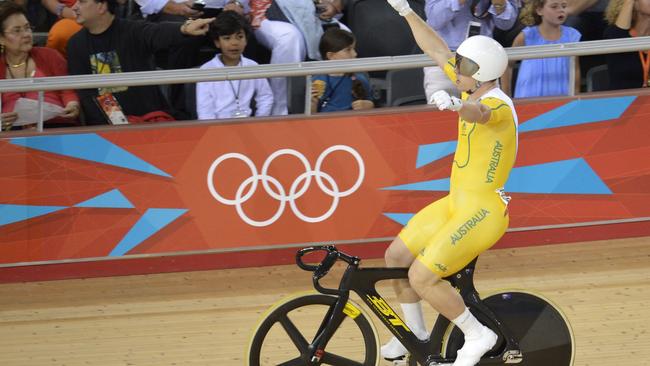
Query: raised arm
(427,38)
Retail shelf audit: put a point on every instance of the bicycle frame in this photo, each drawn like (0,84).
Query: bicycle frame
(363,280)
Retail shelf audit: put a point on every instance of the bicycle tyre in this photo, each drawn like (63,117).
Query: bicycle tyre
(304,306)
(542,330)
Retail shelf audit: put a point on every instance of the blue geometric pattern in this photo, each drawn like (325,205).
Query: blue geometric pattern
(400,218)
(432,152)
(579,112)
(90,147)
(110,199)
(14,213)
(573,113)
(153,220)
(573,176)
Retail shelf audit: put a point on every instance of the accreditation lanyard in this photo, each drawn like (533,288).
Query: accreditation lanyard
(644,56)
(235,93)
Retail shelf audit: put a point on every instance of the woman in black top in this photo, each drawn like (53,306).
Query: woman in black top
(628,18)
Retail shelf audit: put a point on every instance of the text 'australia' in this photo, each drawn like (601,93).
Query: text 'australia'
(494,162)
(469,225)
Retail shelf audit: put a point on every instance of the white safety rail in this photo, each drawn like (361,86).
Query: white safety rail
(306,69)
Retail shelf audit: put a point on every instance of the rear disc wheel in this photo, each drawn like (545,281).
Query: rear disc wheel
(543,333)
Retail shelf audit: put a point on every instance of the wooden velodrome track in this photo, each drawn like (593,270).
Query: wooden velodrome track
(206,318)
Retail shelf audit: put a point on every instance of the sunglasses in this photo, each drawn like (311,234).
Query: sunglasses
(465,66)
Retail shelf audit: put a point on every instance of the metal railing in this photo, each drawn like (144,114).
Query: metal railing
(306,69)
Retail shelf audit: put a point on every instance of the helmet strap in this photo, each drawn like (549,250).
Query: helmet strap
(476,86)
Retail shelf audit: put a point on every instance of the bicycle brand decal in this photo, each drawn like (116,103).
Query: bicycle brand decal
(275,190)
(351,310)
(388,313)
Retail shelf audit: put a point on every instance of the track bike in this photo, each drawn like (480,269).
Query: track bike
(328,328)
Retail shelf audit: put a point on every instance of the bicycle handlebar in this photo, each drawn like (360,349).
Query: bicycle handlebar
(326,264)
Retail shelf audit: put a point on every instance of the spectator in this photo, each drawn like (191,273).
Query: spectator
(291,29)
(19,59)
(189,53)
(231,98)
(628,18)
(455,20)
(60,33)
(339,92)
(152,9)
(64,27)
(543,76)
(505,37)
(587,16)
(109,45)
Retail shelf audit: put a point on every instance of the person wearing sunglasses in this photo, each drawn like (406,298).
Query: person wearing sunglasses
(456,20)
(449,233)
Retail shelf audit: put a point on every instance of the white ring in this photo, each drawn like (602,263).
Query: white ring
(213,167)
(240,209)
(335,200)
(354,154)
(265,169)
(244,192)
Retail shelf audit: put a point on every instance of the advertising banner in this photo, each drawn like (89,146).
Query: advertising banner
(227,186)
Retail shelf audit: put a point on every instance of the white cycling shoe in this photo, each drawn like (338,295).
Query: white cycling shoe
(394,350)
(474,348)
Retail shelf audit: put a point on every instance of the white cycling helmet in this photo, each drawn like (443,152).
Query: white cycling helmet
(482,58)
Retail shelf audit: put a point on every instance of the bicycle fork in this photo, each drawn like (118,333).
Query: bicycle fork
(331,322)
(335,314)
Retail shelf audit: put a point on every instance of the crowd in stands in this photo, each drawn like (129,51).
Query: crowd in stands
(111,36)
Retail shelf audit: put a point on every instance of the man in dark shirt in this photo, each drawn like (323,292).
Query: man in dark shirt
(107,44)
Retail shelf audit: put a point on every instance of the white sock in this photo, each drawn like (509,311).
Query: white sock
(414,319)
(470,326)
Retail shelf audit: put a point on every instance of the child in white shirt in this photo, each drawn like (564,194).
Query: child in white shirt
(231,98)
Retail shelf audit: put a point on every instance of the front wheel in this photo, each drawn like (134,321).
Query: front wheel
(543,333)
(283,336)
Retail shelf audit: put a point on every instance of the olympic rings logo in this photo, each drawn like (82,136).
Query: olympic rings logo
(298,188)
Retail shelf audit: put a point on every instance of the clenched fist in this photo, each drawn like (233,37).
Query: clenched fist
(443,100)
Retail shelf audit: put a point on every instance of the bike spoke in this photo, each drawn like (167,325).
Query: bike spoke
(298,340)
(335,360)
(295,362)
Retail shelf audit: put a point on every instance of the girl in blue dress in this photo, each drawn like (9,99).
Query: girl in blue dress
(543,76)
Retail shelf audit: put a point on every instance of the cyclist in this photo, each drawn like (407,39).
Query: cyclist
(446,235)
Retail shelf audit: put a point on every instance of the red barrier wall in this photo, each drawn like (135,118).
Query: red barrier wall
(218,192)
